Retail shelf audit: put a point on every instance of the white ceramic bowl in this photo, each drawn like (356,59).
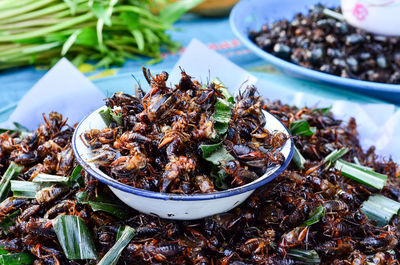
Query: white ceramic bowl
(176,206)
(377,16)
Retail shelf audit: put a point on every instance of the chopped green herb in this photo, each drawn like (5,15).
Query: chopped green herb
(380,208)
(361,175)
(106,116)
(12,171)
(219,178)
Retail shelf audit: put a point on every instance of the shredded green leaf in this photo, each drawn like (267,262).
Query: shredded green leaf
(302,128)
(74,237)
(380,208)
(112,256)
(117,118)
(315,216)
(12,171)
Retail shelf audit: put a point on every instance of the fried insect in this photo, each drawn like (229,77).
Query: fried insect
(175,122)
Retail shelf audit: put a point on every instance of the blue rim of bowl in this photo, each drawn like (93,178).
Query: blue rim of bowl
(179,197)
(300,70)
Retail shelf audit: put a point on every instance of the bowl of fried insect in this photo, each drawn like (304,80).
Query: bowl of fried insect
(183,151)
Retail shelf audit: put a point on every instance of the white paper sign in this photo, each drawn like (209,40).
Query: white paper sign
(63,89)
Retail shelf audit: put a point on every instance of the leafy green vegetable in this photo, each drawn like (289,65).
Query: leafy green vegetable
(315,216)
(16,259)
(216,153)
(361,175)
(307,256)
(112,256)
(174,11)
(301,128)
(222,108)
(26,189)
(380,208)
(335,155)
(70,41)
(298,158)
(106,116)
(74,237)
(109,116)
(107,31)
(222,115)
(13,170)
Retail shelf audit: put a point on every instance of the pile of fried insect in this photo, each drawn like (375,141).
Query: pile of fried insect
(334,204)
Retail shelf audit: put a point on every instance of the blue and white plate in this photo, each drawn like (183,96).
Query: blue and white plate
(253,14)
(176,206)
